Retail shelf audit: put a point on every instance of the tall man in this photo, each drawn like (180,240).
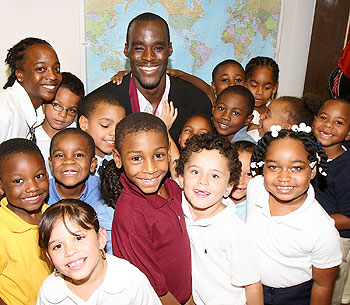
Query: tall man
(148,48)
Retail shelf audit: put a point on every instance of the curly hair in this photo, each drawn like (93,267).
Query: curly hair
(111,187)
(75,210)
(15,55)
(210,141)
(315,152)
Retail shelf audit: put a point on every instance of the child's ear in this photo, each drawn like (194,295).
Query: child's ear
(102,237)
(117,158)
(313,172)
(181,181)
(2,191)
(248,120)
(93,165)
(214,88)
(48,257)
(228,189)
(83,123)
(275,88)
(347,138)
(50,164)
(169,152)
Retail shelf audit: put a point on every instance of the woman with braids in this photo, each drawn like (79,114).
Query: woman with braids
(298,244)
(261,78)
(35,77)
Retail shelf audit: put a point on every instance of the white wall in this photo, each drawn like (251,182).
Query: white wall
(60,23)
(293,51)
(56,21)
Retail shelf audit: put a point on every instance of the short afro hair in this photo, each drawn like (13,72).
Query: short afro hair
(241,91)
(211,141)
(138,122)
(147,17)
(89,103)
(16,146)
(73,84)
(223,63)
(74,131)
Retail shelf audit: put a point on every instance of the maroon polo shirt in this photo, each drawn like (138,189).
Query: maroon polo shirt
(150,232)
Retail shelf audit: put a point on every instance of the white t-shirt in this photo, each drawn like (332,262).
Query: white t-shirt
(17,113)
(290,245)
(123,284)
(223,257)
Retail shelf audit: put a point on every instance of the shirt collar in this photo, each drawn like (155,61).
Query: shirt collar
(205,222)
(289,219)
(153,199)
(34,117)
(15,223)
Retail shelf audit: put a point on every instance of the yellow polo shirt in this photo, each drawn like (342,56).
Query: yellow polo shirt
(22,267)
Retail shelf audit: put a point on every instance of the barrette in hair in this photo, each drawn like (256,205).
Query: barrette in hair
(318,158)
(275,129)
(318,144)
(312,164)
(322,172)
(302,127)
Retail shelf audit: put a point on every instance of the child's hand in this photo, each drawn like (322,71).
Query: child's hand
(173,72)
(118,78)
(169,113)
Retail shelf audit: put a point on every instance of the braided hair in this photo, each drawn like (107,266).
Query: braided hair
(111,187)
(315,151)
(259,61)
(16,54)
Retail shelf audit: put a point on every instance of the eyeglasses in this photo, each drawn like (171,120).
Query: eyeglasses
(59,108)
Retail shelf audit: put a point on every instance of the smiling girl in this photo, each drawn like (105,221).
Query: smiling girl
(35,77)
(298,244)
(73,241)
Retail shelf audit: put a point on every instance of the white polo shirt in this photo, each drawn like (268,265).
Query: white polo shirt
(290,245)
(17,113)
(124,284)
(223,257)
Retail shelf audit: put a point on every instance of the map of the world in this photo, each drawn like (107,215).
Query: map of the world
(203,33)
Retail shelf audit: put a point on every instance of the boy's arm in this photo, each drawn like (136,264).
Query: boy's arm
(2,302)
(195,81)
(168,299)
(342,222)
(169,114)
(322,287)
(254,294)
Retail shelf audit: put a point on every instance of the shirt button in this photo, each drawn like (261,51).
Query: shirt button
(179,217)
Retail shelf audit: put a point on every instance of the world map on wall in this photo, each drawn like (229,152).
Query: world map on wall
(203,33)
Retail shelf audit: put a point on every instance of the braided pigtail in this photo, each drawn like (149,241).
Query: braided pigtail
(111,187)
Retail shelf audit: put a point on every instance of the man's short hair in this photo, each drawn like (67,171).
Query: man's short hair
(147,17)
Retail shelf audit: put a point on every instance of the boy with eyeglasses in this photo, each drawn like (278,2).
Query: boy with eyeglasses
(60,113)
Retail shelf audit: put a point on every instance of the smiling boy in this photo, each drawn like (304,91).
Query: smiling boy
(232,113)
(24,182)
(148,227)
(224,263)
(72,161)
